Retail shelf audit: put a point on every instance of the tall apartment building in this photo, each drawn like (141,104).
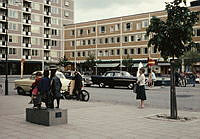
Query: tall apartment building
(35,32)
(112,40)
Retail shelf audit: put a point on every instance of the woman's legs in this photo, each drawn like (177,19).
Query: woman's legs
(142,104)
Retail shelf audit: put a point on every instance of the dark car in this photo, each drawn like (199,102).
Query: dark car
(115,78)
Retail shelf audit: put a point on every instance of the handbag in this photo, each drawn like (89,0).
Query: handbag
(135,89)
(35,91)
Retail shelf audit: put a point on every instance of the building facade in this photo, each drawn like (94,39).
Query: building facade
(112,40)
(34,32)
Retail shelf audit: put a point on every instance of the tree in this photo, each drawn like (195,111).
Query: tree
(128,62)
(172,37)
(63,62)
(90,62)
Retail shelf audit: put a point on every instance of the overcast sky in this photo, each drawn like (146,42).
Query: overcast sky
(89,10)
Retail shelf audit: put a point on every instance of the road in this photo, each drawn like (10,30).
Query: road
(188,98)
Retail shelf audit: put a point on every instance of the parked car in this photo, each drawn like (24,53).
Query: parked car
(24,85)
(114,78)
(87,81)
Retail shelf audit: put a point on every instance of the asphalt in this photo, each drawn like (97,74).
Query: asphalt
(96,120)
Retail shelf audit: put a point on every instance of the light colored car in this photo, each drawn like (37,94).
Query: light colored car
(24,85)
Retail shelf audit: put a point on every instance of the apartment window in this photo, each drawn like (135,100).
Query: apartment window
(93,29)
(144,37)
(89,42)
(100,41)
(196,32)
(112,29)
(54,10)
(128,26)
(12,26)
(145,23)
(54,32)
(83,42)
(72,43)
(145,50)
(83,54)
(79,53)
(138,50)
(88,31)
(125,38)
(100,53)
(132,51)
(55,1)
(94,41)
(139,37)
(118,52)
(66,13)
(125,51)
(73,54)
(117,27)
(35,18)
(35,6)
(72,32)
(78,43)
(55,21)
(112,40)
(35,29)
(138,26)
(12,13)
(12,2)
(118,39)
(132,38)
(66,3)
(34,52)
(102,29)
(106,53)
(112,52)
(54,43)
(106,40)
(35,41)
(13,39)
(80,31)
(12,51)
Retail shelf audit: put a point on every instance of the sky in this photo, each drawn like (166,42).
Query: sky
(89,10)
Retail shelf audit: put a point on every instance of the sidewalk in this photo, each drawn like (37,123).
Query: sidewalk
(94,120)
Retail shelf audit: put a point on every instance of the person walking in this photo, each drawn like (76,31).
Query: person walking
(141,88)
(55,87)
(44,88)
(150,80)
(78,84)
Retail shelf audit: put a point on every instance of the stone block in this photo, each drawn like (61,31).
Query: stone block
(46,117)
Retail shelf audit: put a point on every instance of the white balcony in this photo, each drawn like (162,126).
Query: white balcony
(26,9)
(47,58)
(29,57)
(47,47)
(2,17)
(2,55)
(2,30)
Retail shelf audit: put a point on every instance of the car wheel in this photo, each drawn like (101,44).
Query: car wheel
(130,86)
(20,91)
(101,85)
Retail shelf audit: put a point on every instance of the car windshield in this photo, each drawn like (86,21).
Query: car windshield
(126,74)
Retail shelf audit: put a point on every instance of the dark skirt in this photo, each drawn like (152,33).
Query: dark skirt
(141,93)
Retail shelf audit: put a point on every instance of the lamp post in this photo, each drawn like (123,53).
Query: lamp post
(6,38)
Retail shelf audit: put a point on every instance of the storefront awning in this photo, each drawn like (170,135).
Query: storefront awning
(108,65)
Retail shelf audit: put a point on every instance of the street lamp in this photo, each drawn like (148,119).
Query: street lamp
(6,38)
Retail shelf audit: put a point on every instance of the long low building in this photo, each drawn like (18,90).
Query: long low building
(114,39)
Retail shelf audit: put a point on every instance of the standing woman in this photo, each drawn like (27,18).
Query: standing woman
(141,89)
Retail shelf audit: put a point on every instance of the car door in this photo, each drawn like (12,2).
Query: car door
(108,78)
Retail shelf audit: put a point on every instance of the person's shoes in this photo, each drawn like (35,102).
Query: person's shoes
(57,107)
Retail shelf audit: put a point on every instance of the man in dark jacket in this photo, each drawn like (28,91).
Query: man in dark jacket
(78,84)
(44,89)
(55,87)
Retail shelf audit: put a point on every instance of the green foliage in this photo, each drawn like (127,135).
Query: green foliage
(128,62)
(63,61)
(173,36)
(191,57)
(90,62)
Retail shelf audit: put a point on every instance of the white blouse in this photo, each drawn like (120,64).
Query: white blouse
(141,80)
